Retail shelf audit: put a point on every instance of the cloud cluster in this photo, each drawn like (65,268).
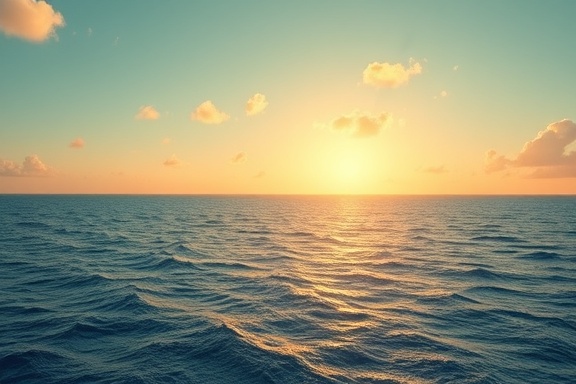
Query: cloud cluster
(256,104)
(147,112)
(29,19)
(359,124)
(31,166)
(546,155)
(207,113)
(77,143)
(386,75)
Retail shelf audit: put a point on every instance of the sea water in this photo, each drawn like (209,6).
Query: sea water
(281,289)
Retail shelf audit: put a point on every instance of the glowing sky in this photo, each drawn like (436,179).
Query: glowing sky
(256,96)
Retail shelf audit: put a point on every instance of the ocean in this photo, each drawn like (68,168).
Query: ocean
(287,289)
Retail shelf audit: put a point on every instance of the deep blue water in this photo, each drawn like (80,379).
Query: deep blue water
(182,289)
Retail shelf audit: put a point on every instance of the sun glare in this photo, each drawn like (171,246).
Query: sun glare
(347,169)
(348,172)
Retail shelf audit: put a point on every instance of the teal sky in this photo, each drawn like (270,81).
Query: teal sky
(494,74)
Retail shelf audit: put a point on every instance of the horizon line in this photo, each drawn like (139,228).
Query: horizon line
(298,194)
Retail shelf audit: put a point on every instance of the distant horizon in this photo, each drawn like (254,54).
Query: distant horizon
(293,194)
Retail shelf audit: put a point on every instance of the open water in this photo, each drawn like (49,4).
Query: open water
(192,289)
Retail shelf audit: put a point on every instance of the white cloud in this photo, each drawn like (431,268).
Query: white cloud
(29,19)
(77,143)
(547,149)
(441,95)
(147,112)
(546,155)
(256,104)
(207,113)
(359,124)
(386,75)
(31,166)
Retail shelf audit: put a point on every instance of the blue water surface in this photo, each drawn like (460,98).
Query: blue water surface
(280,289)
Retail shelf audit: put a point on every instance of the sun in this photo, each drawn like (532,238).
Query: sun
(348,173)
(347,169)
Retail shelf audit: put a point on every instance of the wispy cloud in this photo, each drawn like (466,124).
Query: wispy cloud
(77,143)
(240,157)
(494,162)
(359,124)
(545,155)
(256,104)
(455,68)
(166,141)
(442,94)
(172,162)
(386,75)
(260,175)
(207,113)
(435,169)
(147,112)
(30,167)
(31,20)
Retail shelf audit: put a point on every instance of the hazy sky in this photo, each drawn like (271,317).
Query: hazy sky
(300,96)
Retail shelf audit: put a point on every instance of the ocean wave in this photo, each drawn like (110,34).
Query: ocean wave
(540,255)
(481,273)
(492,290)
(498,239)
(219,353)
(29,366)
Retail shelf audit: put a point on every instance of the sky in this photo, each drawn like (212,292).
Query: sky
(288,97)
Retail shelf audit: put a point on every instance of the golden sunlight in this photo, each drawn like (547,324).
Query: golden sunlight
(348,171)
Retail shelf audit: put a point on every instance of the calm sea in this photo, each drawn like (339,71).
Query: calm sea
(190,289)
